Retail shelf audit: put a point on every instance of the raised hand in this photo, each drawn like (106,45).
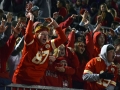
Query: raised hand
(9,17)
(29,6)
(52,22)
(17,29)
(74,16)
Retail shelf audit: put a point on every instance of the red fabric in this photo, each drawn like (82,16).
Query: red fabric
(117,19)
(31,70)
(66,23)
(96,46)
(89,48)
(5,52)
(55,78)
(51,77)
(117,60)
(63,12)
(89,45)
(94,65)
(71,39)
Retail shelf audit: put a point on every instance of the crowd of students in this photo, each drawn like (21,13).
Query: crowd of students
(78,47)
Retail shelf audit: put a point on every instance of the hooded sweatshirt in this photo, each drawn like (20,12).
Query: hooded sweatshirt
(96,66)
(97,48)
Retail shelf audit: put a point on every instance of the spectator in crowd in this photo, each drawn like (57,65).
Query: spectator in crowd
(8,46)
(45,7)
(99,39)
(101,77)
(38,61)
(117,62)
(107,18)
(16,6)
(61,8)
(83,50)
(93,12)
(77,6)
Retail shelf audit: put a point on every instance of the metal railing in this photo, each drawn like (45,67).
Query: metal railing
(36,87)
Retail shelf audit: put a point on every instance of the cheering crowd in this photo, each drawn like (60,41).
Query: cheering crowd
(61,43)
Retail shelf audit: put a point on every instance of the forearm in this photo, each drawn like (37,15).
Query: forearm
(110,87)
(90,77)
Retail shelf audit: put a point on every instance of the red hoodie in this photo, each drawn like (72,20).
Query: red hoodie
(96,46)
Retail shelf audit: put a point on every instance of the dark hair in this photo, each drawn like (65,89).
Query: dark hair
(110,47)
(83,56)
(117,42)
(62,2)
(21,14)
(59,19)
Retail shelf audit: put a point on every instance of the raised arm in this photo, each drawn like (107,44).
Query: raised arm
(61,38)
(29,30)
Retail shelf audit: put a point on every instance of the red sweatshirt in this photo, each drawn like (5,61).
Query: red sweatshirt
(66,23)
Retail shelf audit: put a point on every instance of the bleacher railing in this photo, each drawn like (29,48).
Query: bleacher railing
(36,87)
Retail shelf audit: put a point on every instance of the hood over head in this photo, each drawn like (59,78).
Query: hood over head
(95,38)
(103,53)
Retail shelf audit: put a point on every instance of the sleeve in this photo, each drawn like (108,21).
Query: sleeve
(3,39)
(110,87)
(89,45)
(66,23)
(9,46)
(18,47)
(88,74)
(61,39)
(113,81)
(71,39)
(69,70)
(28,34)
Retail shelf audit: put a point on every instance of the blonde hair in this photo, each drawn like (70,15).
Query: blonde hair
(56,51)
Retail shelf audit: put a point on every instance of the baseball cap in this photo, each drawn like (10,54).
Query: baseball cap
(34,8)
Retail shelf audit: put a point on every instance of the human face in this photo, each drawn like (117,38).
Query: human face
(58,4)
(35,13)
(101,40)
(63,63)
(61,50)
(43,37)
(78,2)
(111,55)
(81,47)
(103,8)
